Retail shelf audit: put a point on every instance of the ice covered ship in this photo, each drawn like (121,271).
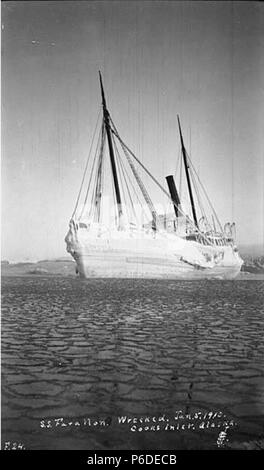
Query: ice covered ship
(116,231)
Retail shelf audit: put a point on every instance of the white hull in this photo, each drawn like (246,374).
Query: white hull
(103,265)
(163,256)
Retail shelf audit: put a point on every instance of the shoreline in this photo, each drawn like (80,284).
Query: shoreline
(66,268)
(240,277)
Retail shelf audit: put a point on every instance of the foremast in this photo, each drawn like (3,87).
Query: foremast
(112,157)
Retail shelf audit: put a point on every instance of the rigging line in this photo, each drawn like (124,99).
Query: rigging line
(102,183)
(180,184)
(98,191)
(142,205)
(129,193)
(102,173)
(197,193)
(116,216)
(161,187)
(120,177)
(96,177)
(90,215)
(213,229)
(91,174)
(206,195)
(141,186)
(139,182)
(178,161)
(193,175)
(86,166)
(118,159)
(204,218)
(125,175)
(135,192)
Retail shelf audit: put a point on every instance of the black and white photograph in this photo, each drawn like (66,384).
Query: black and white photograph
(132,258)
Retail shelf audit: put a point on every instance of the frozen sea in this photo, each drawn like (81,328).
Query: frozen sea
(131,364)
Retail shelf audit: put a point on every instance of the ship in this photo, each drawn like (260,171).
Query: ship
(116,231)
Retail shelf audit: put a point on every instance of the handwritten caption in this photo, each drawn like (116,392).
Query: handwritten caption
(180,421)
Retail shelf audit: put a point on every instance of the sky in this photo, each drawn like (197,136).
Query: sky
(201,60)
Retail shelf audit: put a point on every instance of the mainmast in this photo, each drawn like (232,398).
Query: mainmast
(187,175)
(111,153)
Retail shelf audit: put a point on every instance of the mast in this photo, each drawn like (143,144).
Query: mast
(98,188)
(111,152)
(187,175)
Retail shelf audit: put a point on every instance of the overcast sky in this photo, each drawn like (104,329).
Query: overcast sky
(202,60)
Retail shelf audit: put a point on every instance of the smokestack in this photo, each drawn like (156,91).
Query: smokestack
(174,194)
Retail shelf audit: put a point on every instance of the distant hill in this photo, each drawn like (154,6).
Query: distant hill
(59,267)
(66,266)
(253,265)
(4,262)
(254,251)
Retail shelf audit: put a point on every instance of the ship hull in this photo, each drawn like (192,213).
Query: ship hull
(123,265)
(149,257)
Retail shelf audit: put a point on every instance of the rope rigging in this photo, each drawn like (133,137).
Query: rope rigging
(195,228)
(99,178)
(139,181)
(86,166)
(122,175)
(91,175)
(132,186)
(205,193)
(125,177)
